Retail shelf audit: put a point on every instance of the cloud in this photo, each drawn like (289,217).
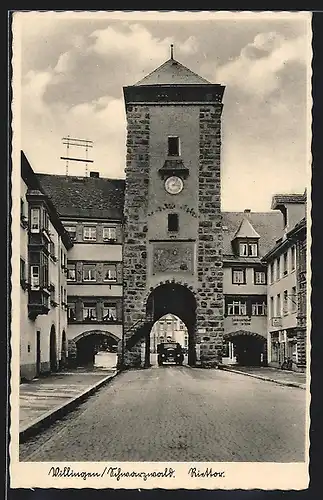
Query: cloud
(256,70)
(138,44)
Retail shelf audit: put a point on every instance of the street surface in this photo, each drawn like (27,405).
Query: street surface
(179,414)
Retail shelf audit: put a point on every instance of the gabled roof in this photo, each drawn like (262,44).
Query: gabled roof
(269,226)
(172,72)
(281,199)
(246,230)
(90,197)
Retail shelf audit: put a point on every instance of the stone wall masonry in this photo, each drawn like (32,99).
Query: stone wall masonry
(209,252)
(135,223)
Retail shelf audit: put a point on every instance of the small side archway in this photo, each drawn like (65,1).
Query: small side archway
(90,342)
(53,350)
(64,349)
(250,347)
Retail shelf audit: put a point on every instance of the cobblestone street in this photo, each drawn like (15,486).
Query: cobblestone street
(179,414)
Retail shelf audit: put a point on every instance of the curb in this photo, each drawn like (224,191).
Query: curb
(48,418)
(267,379)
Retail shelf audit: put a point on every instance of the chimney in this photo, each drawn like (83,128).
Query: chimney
(96,175)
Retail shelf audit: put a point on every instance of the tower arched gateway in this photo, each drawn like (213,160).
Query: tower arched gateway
(172,215)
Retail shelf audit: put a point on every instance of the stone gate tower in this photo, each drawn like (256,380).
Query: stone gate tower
(172,227)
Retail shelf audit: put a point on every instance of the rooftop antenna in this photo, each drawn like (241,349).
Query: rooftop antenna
(172,51)
(81,143)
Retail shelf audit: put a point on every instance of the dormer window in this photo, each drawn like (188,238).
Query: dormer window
(173,146)
(248,249)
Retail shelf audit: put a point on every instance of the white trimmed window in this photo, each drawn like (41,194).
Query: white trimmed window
(259,309)
(89,233)
(238,276)
(109,312)
(89,272)
(71,272)
(109,233)
(285,302)
(110,272)
(278,306)
(35,220)
(71,314)
(293,299)
(34,277)
(248,249)
(285,264)
(260,277)
(272,272)
(89,311)
(293,258)
(237,308)
(278,268)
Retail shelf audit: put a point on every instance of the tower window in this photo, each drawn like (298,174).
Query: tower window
(172,222)
(173,146)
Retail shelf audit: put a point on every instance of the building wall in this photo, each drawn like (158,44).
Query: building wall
(281,340)
(249,288)
(98,253)
(57,315)
(295,212)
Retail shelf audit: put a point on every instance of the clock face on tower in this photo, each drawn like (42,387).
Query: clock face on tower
(174,185)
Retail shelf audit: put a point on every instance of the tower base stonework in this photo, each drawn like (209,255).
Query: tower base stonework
(209,260)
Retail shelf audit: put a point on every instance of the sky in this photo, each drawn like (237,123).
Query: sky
(70,69)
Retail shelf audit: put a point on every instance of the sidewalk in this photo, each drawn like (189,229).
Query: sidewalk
(282,377)
(45,399)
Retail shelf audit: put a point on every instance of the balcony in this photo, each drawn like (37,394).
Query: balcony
(37,307)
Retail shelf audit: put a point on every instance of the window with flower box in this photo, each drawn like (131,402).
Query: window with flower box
(109,312)
(89,233)
(89,272)
(89,311)
(109,233)
(110,272)
(259,309)
(237,308)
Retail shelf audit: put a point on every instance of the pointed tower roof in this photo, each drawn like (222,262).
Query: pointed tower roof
(246,230)
(172,72)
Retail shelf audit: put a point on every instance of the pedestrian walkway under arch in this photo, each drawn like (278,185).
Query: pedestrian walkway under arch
(250,347)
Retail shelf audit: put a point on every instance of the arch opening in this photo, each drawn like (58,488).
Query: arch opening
(168,329)
(64,350)
(177,302)
(96,349)
(52,350)
(244,349)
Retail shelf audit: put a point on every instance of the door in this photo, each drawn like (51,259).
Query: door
(38,361)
